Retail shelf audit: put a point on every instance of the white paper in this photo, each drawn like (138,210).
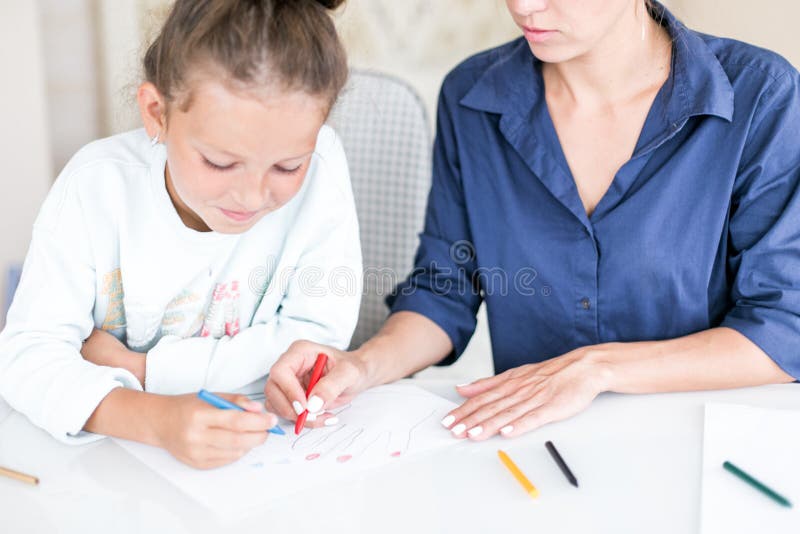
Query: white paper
(5,410)
(765,444)
(381,426)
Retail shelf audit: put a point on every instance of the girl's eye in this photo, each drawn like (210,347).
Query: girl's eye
(284,170)
(216,167)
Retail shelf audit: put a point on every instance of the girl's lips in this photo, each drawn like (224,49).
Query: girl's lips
(537,35)
(238,216)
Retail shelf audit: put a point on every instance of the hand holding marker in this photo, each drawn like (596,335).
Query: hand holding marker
(316,374)
(224,404)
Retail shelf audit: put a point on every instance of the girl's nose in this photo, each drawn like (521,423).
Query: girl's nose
(251,193)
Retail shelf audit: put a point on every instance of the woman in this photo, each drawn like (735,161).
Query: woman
(635,185)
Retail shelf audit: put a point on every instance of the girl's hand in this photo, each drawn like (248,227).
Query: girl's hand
(102,348)
(205,437)
(343,378)
(527,397)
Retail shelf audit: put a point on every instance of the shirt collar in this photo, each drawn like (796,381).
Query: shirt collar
(697,83)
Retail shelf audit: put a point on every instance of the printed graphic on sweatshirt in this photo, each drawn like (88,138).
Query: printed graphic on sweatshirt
(222,317)
(183,316)
(186,315)
(115,313)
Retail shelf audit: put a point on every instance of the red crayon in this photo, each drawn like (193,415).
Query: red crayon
(316,374)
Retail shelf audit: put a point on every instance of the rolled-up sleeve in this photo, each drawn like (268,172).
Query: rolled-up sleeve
(764,232)
(440,287)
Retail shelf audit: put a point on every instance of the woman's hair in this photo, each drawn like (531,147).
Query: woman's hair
(288,44)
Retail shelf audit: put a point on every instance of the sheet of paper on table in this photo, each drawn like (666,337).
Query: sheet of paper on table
(765,443)
(381,426)
(5,410)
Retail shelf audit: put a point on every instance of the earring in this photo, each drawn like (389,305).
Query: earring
(644,17)
(154,140)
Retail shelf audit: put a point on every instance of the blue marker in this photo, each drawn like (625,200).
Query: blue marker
(223,404)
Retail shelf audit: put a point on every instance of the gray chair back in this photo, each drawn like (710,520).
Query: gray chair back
(387,137)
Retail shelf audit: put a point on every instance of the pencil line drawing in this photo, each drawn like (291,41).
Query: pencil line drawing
(311,433)
(415,426)
(359,439)
(349,440)
(388,435)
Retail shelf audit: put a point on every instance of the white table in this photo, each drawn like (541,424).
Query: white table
(637,458)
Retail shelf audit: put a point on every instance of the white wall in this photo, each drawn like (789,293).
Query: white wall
(770,23)
(421,40)
(70,62)
(24,143)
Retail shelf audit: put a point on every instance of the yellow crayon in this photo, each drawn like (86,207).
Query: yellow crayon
(530,489)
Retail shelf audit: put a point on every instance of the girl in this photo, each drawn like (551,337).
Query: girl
(193,252)
(625,195)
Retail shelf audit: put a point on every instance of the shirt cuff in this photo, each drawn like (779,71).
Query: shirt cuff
(70,420)
(774,331)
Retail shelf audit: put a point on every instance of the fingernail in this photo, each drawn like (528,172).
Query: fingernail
(475,431)
(255,405)
(330,421)
(315,404)
(297,407)
(507,430)
(459,428)
(447,421)
(463,385)
(311,416)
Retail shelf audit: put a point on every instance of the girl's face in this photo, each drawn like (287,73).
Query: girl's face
(561,30)
(233,157)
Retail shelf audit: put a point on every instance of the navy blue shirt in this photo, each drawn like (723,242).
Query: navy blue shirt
(699,229)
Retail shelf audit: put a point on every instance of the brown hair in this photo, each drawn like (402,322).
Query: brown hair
(291,44)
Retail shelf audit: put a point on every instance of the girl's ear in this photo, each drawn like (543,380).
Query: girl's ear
(153,108)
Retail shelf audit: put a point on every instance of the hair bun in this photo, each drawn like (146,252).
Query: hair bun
(330,4)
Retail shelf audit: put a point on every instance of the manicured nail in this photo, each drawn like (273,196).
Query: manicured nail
(330,421)
(315,404)
(459,428)
(475,431)
(311,416)
(463,385)
(507,430)
(447,421)
(298,408)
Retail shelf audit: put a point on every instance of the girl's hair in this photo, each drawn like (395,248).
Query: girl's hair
(288,44)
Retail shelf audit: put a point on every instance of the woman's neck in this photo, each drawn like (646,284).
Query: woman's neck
(618,69)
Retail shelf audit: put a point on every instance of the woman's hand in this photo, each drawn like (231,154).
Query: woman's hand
(527,397)
(102,348)
(343,378)
(205,437)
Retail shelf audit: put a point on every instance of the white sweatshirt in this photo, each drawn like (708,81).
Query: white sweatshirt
(211,310)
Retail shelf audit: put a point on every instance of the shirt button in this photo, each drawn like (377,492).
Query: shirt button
(586,303)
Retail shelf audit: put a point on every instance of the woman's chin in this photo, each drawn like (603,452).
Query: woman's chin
(552,54)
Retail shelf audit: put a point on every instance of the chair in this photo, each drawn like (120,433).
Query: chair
(387,137)
(12,281)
